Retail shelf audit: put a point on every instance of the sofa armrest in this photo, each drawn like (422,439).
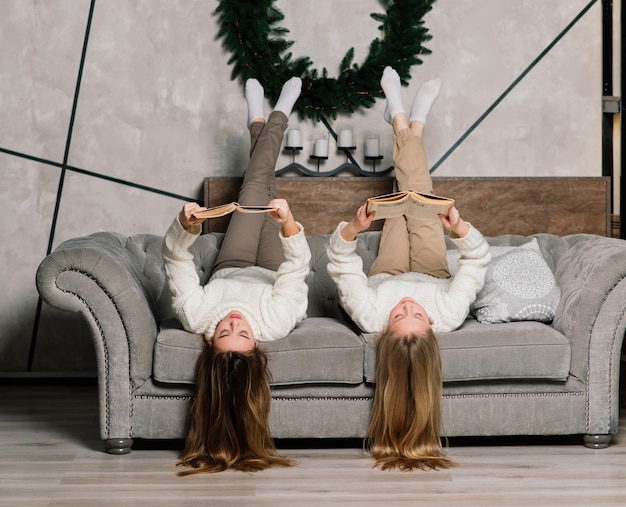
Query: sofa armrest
(591,273)
(102,277)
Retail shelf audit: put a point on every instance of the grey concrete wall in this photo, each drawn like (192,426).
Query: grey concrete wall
(156,113)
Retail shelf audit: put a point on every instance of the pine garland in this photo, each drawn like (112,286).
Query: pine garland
(249,31)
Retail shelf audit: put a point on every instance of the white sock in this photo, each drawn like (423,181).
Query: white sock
(391,85)
(288,96)
(255,99)
(426,96)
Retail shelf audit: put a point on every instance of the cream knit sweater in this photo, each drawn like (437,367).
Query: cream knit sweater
(369,300)
(272,302)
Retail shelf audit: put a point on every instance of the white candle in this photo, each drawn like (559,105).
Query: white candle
(293,138)
(321,148)
(345,139)
(372,148)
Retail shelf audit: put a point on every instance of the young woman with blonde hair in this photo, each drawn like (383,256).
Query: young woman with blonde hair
(408,296)
(257,292)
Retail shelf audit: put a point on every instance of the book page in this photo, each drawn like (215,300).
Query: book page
(387,205)
(387,209)
(255,209)
(422,206)
(225,209)
(216,211)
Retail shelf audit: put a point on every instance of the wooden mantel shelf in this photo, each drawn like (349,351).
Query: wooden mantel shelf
(525,206)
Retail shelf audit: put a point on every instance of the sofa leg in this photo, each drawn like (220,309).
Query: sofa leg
(118,445)
(597,441)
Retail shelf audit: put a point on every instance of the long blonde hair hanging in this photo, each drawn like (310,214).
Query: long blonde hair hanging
(407,416)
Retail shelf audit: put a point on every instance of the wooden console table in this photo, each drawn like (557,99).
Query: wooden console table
(496,206)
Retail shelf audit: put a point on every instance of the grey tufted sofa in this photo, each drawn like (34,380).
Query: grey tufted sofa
(522,378)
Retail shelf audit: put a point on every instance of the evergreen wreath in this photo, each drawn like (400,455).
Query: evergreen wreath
(260,50)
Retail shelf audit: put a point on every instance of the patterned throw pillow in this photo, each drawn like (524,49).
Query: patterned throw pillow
(519,285)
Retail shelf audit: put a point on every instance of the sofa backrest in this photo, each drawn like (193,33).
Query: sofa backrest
(323,295)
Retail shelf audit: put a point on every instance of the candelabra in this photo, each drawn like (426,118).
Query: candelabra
(345,143)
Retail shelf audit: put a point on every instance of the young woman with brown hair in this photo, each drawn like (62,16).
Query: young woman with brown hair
(411,266)
(256,293)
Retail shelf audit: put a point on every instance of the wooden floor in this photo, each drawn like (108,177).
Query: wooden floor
(51,455)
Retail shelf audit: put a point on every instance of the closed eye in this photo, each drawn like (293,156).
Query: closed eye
(226,332)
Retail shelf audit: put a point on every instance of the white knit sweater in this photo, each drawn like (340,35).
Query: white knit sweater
(273,302)
(369,301)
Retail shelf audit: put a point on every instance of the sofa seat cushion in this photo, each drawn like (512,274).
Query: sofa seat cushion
(506,351)
(318,350)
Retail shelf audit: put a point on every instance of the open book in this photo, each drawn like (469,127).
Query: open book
(225,209)
(409,203)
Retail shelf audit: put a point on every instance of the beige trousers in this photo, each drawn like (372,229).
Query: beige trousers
(409,244)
